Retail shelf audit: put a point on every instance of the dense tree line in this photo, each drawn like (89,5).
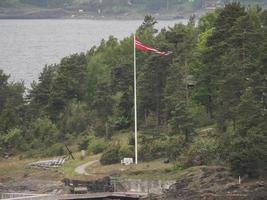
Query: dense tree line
(216,76)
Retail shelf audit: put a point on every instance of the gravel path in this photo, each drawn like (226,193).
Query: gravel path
(82,168)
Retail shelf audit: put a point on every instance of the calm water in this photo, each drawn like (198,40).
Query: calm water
(27,45)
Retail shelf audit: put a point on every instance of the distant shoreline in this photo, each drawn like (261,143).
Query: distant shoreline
(65,14)
(108,18)
(96,19)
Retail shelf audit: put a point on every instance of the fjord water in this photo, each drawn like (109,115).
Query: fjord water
(27,45)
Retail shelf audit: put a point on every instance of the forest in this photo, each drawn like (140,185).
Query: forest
(216,78)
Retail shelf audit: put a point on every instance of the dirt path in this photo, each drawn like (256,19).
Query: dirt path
(82,168)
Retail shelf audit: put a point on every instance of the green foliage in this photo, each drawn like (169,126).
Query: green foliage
(215,75)
(248,146)
(11,103)
(202,151)
(207,22)
(40,93)
(84,142)
(175,146)
(152,147)
(13,139)
(182,122)
(111,155)
(248,156)
(75,119)
(55,150)
(126,152)
(69,83)
(97,146)
(229,59)
(45,134)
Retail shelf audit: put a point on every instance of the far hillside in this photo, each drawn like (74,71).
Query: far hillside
(124,9)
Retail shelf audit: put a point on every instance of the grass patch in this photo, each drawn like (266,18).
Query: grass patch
(14,165)
(68,169)
(16,168)
(144,170)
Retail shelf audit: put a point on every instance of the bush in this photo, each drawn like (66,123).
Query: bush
(111,156)
(126,152)
(131,140)
(145,147)
(75,118)
(84,142)
(248,155)
(175,146)
(97,146)
(44,131)
(12,139)
(122,123)
(202,152)
(152,148)
(54,150)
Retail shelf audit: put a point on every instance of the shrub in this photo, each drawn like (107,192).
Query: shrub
(126,152)
(152,147)
(97,146)
(122,123)
(131,140)
(12,139)
(44,131)
(55,150)
(75,118)
(83,144)
(202,152)
(175,146)
(111,156)
(248,155)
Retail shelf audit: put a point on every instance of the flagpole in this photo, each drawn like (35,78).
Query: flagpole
(135,105)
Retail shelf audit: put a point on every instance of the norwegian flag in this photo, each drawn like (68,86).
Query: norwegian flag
(144,47)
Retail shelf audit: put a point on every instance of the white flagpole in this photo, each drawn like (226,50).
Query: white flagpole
(135,105)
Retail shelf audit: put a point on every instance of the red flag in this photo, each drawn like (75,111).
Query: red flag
(144,47)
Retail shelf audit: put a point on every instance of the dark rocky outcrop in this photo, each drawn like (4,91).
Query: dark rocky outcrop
(213,183)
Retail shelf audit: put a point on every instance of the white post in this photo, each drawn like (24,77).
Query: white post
(135,105)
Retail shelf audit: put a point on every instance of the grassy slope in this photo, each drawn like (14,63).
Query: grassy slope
(144,170)
(16,169)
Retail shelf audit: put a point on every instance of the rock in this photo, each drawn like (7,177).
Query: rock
(231,187)
(214,183)
(166,161)
(197,160)
(260,183)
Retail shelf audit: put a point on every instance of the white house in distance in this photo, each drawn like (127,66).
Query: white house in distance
(211,4)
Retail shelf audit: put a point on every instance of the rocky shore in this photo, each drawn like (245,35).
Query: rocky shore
(199,183)
(214,183)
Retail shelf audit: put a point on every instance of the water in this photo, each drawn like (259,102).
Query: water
(27,45)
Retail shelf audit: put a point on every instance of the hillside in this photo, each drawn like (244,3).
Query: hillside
(123,9)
